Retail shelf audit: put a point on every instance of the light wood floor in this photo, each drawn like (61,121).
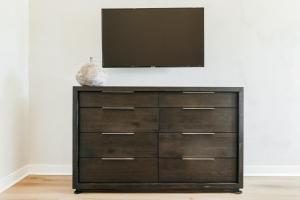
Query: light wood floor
(59,188)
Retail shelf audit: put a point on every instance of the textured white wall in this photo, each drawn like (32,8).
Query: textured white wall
(14,150)
(250,43)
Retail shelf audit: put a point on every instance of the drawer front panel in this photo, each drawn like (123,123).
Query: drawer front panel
(100,99)
(177,145)
(137,120)
(118,145)
(118,171)
(194,99)
(214,120)
(198,171)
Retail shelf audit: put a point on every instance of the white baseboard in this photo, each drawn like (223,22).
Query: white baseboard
(44,169)
(13,178)
(34,169)
(272,170)
(250,170)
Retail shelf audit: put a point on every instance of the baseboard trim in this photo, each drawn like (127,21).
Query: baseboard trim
(250,170)
(272,170)
(44,169)
(13,178)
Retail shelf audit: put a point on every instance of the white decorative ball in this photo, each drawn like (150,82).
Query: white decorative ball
(91,75)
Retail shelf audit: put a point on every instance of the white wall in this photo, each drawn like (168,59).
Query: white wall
(250,43)
(14,150)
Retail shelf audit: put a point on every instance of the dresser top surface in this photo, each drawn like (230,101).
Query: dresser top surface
(158,89)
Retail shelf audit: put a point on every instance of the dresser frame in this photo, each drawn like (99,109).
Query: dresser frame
(157,187)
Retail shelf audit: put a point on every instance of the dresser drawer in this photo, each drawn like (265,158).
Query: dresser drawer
(118,120)
(106,170)
(118,145)
(178,145)
(204,170)
(198,99)
(123,98)
(198,120)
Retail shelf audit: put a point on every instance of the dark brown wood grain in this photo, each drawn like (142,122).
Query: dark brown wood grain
(177,145)
(136,145)
(203,171)
(157,119)
(137,120)
(118,98)
(241,139)
(159,188)
(118,171)
(185,99)
(75,138)
(116,89)
(217,120)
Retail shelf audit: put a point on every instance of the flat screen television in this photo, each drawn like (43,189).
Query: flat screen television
(153,37)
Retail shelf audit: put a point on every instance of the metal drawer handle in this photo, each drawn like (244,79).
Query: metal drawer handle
(198,133)
(198,92)
(117,133)
(204,159)
(198,108)
(117,158)
(117,108)
(110,91)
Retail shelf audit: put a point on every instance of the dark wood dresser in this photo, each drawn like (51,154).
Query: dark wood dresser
(158,139)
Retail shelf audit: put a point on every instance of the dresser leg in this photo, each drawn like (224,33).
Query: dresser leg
(238,191)
(77,192)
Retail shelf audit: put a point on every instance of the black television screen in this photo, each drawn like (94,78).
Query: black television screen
(160,37)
